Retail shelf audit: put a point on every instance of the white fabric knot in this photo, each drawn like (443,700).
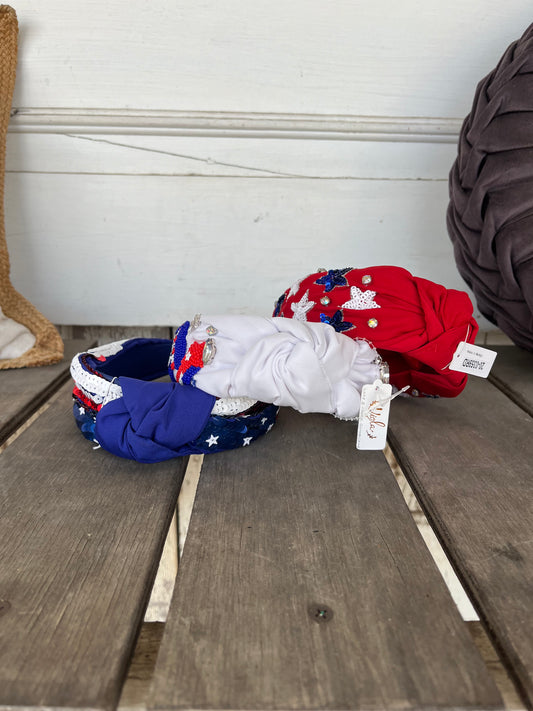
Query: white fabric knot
(307,366)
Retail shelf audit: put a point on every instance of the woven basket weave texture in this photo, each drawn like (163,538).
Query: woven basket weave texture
(48,346)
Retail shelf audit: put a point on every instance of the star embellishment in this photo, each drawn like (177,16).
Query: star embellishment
(213,439)
(294,288)
(336,321)
(246,441)
(361,300)
(302,307)
(81,410)
(279,304)
(334,277)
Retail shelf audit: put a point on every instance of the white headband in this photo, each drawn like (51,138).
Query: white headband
(307,366)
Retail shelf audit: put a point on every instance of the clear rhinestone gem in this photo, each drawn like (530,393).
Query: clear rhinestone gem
(366,279)
(196,321)
(211,331)
(325,300)
(321,269)
(209,351)
(372,322)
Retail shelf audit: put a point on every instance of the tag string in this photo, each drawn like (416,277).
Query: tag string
(465,343)
(380,403)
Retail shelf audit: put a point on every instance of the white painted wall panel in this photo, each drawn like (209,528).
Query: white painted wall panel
(232,157)
(154,250)
(379,58)
(174,156)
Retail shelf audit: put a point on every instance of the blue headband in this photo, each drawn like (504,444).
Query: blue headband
(116,406)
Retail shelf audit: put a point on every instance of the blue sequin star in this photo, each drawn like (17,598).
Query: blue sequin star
(279,304)
(336,321)
(334,277)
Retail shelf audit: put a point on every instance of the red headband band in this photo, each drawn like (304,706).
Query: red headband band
(415,324)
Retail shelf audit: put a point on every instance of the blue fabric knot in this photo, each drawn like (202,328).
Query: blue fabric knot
(153,422)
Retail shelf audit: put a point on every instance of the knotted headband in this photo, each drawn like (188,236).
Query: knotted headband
(117,406)
(415,324)
(490,215)
(307,366)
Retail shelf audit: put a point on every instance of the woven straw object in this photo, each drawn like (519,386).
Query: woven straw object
(48,346)
(490,215)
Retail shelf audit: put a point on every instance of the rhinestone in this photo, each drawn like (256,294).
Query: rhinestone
(321,269)
(325,300)
(366,279)
(372,322)
(211,331)
(196,321)
(415,392)
(209,351)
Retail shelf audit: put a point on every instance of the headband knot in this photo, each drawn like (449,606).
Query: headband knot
(415,324)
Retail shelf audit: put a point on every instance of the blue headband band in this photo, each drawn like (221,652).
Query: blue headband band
(117,406)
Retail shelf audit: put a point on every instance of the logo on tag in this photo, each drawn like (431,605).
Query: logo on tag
(374,415)
(472,359)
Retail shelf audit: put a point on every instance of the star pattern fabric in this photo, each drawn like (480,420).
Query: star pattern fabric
(361,300)
(333,278)
(279,304)
(148,420)
(294,288)
(301,308)
(414,323)
(337,321)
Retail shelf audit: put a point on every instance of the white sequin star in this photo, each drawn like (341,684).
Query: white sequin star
(302,307)
(246,441)
(361,300)
(81,410)
(263,420)
(294,288)
(213,439)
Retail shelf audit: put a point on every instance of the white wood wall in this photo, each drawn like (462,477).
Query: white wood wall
(170,157)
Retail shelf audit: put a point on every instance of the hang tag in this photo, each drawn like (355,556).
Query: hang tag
(374,415)
(472,359)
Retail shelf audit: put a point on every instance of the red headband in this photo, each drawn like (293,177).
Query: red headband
(415,324)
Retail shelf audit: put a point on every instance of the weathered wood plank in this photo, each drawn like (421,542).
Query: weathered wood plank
(24,390)
(81,533)
(140,673)
(469,463)
(304,584)
(512,373)
(499,673)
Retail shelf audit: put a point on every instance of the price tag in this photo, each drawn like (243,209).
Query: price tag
(374,415)
(472,359)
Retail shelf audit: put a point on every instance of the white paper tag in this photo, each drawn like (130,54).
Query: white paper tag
(374,415)
(472,359)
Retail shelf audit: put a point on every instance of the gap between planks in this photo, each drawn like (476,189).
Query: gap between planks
(136,689)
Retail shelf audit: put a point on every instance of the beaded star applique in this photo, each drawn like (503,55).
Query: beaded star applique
(361,300)
(337,321)
(279,304)
(301,308)
(334,277)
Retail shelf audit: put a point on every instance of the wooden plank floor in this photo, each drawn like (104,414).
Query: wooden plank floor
(24,390)
(304,584)
(512,373)
(469,463)
(81,534)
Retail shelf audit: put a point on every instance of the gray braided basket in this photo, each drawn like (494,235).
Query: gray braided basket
(490,214)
